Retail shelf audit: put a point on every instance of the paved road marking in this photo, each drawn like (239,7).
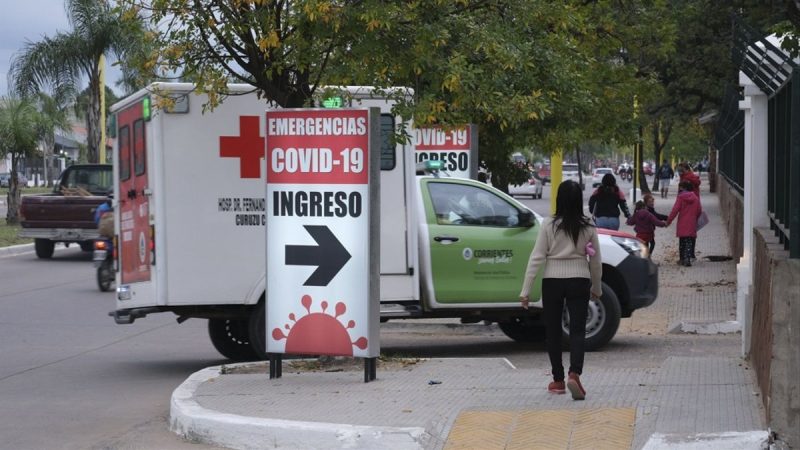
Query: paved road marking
(601,428)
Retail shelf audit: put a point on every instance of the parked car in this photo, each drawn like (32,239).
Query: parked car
(599,173)
(533,188)
(5,180)
(647,168)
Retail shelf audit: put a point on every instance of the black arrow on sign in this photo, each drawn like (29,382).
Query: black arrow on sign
(330,255)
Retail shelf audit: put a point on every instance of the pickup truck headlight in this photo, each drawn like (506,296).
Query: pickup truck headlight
(632,245)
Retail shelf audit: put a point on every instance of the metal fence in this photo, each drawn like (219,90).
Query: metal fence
(778,76)
(729,140)
(783,164)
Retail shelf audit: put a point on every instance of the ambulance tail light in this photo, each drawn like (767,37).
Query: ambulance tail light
(152,245)
(114,253)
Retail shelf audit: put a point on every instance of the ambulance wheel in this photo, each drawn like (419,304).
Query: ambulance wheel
(522,330)
(258,331)
(44,248)
(230,338)
(602,320)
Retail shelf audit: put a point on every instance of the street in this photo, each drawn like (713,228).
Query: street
(70,377)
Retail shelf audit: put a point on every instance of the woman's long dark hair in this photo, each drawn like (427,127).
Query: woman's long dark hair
(569,210)
(608,186)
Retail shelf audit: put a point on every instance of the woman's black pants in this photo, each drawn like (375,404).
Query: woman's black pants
(575,291)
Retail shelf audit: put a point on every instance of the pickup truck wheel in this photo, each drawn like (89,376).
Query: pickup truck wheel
(44,248)
(230,338)
(602,320)
(522,330)
(87,246)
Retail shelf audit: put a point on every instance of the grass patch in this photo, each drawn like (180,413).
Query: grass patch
(8,234)
(27,191)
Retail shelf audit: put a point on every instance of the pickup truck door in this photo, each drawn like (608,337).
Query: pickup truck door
(477,246)
(133,203)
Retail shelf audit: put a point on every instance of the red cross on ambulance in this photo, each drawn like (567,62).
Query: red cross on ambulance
(248,147)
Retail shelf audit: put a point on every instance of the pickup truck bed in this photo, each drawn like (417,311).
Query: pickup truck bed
(55,217)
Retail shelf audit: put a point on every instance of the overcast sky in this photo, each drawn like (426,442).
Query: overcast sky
(31,20)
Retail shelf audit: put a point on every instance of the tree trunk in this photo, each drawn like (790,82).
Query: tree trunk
(93,144)
(48,144)
(12,199)
(661,135)
(639,160)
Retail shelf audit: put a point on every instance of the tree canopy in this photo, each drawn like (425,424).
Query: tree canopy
(60,62)
(528,72)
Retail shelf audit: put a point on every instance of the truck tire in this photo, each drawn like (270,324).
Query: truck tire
(258,331)
(230,339)
(521,329)
(87,246)
(44,248)
(602,321)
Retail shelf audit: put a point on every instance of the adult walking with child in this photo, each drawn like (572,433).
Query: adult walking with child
(568,248)
(687,209)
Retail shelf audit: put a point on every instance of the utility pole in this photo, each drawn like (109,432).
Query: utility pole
(102,150)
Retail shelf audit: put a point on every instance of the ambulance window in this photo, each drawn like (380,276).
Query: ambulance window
(460,204)
(388,160)
(124,153)
(138,147)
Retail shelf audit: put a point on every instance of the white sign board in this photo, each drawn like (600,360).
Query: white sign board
(457,148)
(322,269)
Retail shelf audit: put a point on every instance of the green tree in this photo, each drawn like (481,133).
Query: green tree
(527,72)
(63,60)
(20,132)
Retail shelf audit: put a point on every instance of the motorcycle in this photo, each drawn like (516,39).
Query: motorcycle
(103,259)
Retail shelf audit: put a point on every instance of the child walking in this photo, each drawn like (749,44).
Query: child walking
(687,209)
(645,223)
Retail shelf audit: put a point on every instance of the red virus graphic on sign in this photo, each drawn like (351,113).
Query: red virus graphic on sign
(319,333)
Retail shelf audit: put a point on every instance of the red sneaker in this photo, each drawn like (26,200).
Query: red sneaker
(556,387)
(575,387)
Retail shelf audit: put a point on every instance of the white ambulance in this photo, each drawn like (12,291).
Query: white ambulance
(190,238)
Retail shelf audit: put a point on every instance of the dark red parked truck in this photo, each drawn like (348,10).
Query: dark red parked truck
(67,214)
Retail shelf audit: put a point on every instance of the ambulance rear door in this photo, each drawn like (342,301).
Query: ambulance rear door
(133,194)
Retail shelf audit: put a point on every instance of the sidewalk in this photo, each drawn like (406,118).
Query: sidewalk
(700,397)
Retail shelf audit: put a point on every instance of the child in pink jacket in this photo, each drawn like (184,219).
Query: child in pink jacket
(645,223)
(687,209)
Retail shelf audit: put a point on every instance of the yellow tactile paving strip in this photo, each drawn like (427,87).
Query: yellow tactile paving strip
(558,429)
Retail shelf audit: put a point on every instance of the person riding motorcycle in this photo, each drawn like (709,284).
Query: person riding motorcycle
(103,257)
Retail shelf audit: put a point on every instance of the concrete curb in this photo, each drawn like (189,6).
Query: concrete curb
(433,326)
(192,421)
(733,440)
(705,327)
(16,250)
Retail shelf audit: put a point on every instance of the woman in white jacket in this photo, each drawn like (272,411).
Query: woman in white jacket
(565,241)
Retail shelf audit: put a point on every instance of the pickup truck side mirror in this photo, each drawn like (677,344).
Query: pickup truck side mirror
(526,219)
